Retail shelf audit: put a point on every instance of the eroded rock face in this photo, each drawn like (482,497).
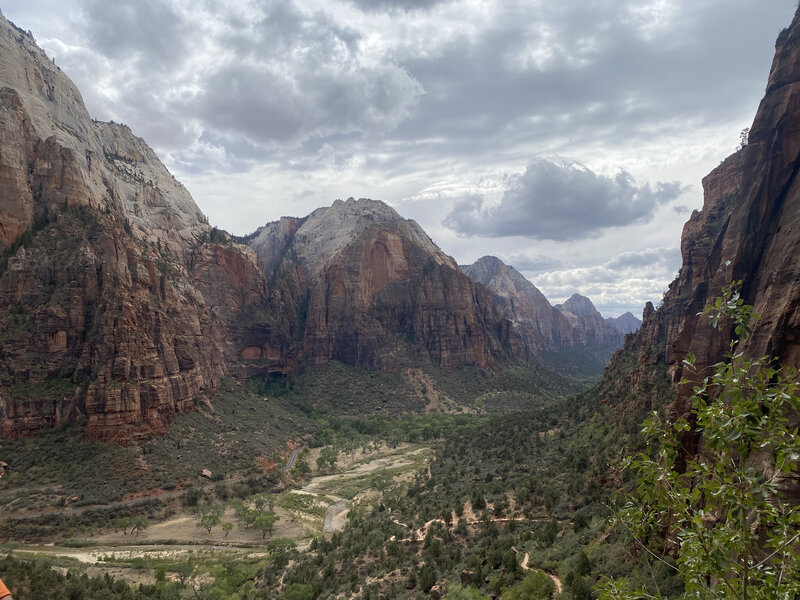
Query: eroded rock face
(111,321)
(590,327)
(749,229)
(100,317)
(537,323)
(378,292)
(626,322)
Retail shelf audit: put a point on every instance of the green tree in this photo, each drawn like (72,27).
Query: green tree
(209,515)
(281,550)
(302,467)
(427,578)
(139,523)
(299,591)
(327,458)
(722,510)
(537,585)
(456,592)
(123,524)
(208,521)
(265,523)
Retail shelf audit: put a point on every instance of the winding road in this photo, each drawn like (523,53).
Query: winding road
(290,463)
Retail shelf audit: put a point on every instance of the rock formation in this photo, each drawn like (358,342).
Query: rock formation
(542,328)
(749,230)
(539,325)
(626,322)
(376,292)
(101,248)
(121,305)
(589,326)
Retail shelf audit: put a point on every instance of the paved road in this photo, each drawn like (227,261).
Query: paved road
(290,463)
(163,496)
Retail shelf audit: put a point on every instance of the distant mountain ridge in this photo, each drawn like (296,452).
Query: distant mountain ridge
(543,328)
(626,322)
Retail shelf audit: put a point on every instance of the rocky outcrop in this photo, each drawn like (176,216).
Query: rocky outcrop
(588,324)
(749,230)
(539,326)
(376,292)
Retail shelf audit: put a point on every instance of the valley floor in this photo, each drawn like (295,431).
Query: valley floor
(179,538)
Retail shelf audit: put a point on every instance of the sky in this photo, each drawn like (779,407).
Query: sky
(569,138)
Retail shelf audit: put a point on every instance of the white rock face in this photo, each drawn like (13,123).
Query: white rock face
(116,165)
(327,231)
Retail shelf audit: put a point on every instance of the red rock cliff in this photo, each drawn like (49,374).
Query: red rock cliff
(371,289)
(100,317)
(748,229)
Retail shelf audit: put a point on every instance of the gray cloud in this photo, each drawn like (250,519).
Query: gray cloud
(153,31)
(533,264)
(607,73)
(252,79)
(396,5)
(625,282)
(561,202)
(472,83)
(632,261)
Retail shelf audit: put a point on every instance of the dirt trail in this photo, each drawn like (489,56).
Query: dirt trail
(526,567)
(557,582)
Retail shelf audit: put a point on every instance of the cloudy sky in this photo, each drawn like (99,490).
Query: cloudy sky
(567,137)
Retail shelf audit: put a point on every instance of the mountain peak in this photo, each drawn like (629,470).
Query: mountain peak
(329,230)
(578,305)
(626,322)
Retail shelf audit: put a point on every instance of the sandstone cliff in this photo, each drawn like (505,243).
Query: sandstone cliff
(748,229)
(578,342)
(539,325)
(374,291)
(626,322)
(589,326)
(105,262)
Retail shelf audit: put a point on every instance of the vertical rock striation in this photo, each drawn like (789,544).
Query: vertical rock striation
(749,230)
(376,292)
(99,317)
(576,330)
